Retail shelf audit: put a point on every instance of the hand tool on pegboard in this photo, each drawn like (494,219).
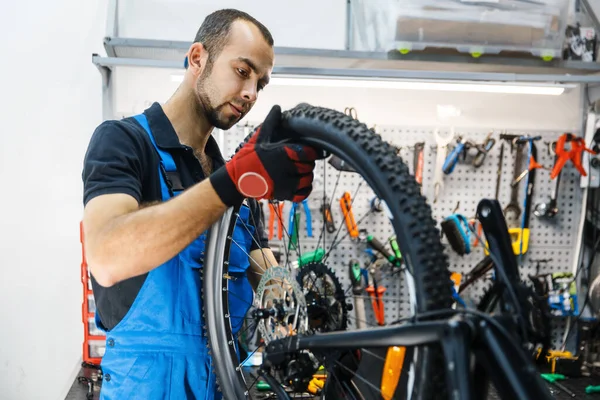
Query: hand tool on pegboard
(482,150)
(346,206)
(419,162)
(356,280)
(513,208)
(351,112)
(294,222)
(533,164)
(550,208)
(376,291)
(273,215)
(327,215)
(442,143)
(456,229)
(520,236)
(499,172)
(379,247)
(452,158)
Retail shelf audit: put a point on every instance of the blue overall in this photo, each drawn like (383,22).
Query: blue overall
(159,350)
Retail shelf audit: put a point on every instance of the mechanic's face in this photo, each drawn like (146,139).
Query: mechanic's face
(228,89)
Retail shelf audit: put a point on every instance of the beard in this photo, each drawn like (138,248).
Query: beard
(215,115)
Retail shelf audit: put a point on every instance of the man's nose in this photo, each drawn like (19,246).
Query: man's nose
(250,92)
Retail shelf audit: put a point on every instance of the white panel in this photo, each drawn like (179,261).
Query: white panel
(309,23)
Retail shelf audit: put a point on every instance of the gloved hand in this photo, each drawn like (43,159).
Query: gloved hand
(265,169)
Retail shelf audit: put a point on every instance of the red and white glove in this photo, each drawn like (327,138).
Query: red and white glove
(265,169)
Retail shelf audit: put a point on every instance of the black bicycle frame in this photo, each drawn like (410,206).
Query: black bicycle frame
(465,336)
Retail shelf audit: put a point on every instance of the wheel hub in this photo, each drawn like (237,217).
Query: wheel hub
(281,308)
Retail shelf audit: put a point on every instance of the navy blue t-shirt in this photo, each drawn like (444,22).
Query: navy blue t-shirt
(121,159)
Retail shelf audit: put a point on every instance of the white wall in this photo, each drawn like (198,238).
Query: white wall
(306,23)
(51,102)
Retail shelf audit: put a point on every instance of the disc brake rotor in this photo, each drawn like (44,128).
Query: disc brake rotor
(284,306)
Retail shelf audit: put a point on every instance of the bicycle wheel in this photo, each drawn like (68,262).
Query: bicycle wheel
(373,161)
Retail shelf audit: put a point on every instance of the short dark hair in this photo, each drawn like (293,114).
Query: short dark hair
(214,31)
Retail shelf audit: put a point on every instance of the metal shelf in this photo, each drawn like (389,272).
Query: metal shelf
(303,61)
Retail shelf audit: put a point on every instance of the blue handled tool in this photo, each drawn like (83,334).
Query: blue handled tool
(293,215)
(452,158)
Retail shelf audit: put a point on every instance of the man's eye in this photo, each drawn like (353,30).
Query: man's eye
(243,72)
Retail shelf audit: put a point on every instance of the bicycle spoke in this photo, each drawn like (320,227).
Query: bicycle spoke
(253,326)
(346,234)
(358,376)
(251,354)
(246,253)
(255,229)
(235,295)
(323,234)
(286,246)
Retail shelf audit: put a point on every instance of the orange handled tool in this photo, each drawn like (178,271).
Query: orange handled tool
(376,293)
(346,204)
(279,215)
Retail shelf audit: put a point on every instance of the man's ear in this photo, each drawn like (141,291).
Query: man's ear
(197,56)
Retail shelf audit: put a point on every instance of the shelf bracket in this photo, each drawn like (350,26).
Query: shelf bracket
(107,92)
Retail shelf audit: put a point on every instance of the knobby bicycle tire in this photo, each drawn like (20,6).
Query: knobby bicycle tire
(410,215)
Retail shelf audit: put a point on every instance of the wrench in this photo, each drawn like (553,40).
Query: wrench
(513,206)
(550,209)
(442,147)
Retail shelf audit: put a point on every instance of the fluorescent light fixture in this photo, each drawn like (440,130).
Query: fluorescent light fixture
(483,87)
(445,86)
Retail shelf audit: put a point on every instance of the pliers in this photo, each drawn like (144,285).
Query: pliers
(292,219)
(279,216)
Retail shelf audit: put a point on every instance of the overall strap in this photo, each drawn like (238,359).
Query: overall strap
(169,174)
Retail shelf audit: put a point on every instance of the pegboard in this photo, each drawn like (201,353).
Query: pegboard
(553,239)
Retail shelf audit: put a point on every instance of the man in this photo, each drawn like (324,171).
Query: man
(148,207)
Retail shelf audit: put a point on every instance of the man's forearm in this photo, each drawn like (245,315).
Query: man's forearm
(137,242)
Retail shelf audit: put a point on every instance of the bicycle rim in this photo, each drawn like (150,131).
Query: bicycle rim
(426,272)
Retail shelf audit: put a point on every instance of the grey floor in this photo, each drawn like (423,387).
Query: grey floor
(80,390)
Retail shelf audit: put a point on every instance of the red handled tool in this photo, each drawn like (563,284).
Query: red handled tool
(574,154)
(419,160)
(279,216)
(376,293)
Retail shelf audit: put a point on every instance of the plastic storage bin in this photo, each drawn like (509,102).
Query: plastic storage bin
(469,26)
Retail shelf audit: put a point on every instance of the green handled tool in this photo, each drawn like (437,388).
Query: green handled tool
(380,247)
(554,378)
(355,275)
(312,256)
(592,389)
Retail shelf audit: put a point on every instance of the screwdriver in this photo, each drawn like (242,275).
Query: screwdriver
(553,378)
